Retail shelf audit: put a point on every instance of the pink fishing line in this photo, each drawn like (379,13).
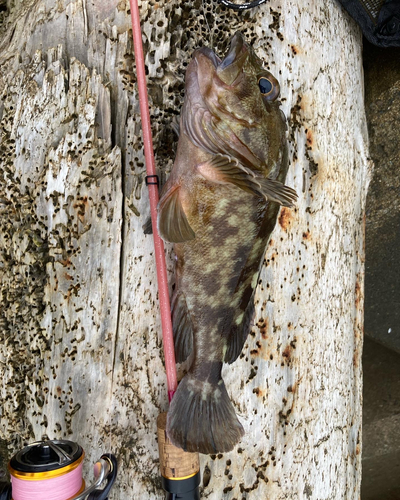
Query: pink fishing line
(163,293)
(56,488)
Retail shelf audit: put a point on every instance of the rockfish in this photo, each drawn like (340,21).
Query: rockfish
(219,206)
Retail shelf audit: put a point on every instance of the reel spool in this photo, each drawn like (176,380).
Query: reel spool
(52,470)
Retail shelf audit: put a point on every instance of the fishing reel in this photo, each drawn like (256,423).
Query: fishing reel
(54,469)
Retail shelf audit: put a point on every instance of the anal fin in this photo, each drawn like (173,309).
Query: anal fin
(182,327)
(224,170)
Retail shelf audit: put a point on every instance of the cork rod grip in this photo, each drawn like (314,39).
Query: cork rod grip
(174,462)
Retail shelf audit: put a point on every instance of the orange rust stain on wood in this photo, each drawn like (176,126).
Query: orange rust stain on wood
(68,276)
(295,49)
(287,353)
(355,358)
(81,206)
(358,291)
(258,392)
(293,388)
(306,235)
(310,138)
(65,262)
(285,218)
(263,325)
(82,202)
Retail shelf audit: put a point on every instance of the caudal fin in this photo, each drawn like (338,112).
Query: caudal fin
(201,417)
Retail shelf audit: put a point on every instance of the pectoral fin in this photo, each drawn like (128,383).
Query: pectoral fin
(173,225)
(224,169)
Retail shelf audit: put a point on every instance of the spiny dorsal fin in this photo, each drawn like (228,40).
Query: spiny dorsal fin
(224,169)
(173,225)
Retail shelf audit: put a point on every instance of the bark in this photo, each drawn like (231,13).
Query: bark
(81,353)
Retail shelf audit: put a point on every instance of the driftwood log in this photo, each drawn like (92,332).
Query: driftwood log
(80,341)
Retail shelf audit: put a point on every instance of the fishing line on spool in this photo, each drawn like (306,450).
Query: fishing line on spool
(52,470)
(242,6)
(57,488)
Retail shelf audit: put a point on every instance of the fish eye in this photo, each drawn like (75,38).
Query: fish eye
(265,85)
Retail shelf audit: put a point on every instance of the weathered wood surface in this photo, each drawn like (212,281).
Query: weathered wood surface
(80,353)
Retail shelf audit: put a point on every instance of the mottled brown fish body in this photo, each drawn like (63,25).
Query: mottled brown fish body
(210,266)
(216,207)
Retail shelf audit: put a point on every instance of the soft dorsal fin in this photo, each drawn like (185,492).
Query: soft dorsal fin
(239,333)
(224,169)
(173,225)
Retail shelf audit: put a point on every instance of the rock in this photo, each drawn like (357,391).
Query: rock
(382,280)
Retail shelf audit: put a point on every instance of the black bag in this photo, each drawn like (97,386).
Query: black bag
(379,20)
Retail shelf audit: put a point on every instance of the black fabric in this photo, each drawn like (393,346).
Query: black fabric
(5,491)
(378,19)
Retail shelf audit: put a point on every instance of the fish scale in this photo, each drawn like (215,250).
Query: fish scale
(219,207)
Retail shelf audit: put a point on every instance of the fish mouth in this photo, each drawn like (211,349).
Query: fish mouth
(210,54)
(238,51)
(229,68)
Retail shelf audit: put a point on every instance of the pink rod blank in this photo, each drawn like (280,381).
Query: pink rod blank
(162,279)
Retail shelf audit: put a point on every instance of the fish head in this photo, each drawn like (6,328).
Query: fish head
(237,85)
(242,99)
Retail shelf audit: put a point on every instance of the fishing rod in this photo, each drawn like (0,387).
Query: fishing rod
(180,471)
(54,468)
